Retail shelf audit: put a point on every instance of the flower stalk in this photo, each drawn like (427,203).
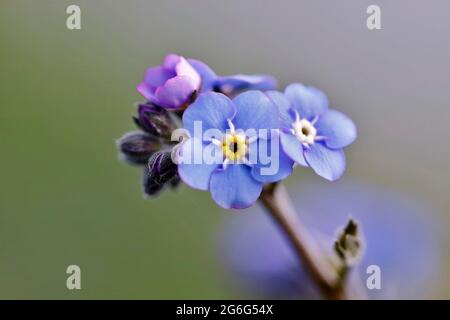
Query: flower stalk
(277,202)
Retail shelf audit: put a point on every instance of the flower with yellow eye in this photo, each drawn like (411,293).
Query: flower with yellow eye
(235,181)
(234,147)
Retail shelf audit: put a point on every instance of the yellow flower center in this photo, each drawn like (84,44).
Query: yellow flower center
(234,147)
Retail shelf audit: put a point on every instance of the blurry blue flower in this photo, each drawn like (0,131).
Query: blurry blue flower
(175,83)
(313,135)
(232,179)
(403,237)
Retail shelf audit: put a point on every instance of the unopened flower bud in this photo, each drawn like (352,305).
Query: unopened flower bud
(350,244)
(137,147)
(155,120)
(162,167)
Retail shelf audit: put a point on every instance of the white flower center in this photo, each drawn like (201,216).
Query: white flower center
(304,130)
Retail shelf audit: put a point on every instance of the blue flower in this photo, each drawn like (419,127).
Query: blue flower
(313,135)
(236,176)
(233,84)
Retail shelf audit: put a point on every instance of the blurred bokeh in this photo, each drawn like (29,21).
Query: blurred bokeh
(257,259)
(66,95)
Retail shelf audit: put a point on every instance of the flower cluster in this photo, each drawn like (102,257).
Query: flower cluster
(238,132)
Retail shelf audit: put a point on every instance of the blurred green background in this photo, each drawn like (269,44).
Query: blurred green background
(65,96)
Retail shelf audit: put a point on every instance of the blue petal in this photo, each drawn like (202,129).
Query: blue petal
(206,73)
(327,163)
(212,109)
(234,187)
(307,101)
(231,85)
(338,129)
(194,173)
(293,148)
(283,105)
(255,111)
(279,165)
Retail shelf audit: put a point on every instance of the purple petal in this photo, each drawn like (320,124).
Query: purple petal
(157,76)
(171,60)
(145,91)
(175,92)
(293,148)
(153,78)
(212,109)
(338,129)
(255,111)
(234,187)
(327,163)
(307,101)
(184,68)
(193,173)
(207,75)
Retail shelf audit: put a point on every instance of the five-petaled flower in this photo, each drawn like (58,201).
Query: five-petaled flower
(175,84)
(235,181)
(313,135)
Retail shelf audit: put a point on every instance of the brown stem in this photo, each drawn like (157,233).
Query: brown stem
(277,202)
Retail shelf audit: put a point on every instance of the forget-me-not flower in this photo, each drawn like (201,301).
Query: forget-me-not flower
(236,180)
(312,134)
